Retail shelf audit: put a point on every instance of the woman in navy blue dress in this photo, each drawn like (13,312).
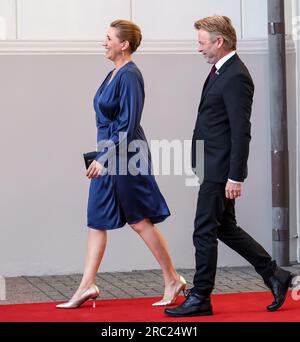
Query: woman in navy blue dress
(118,194)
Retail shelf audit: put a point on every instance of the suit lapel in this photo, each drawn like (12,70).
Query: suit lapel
(209,83)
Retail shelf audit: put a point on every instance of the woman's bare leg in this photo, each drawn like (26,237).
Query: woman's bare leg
(95,250)
(157,245)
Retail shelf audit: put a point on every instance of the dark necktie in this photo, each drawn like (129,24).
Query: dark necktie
(212,72)
(210,77)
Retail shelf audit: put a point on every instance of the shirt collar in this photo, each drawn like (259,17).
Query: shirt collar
(223,60)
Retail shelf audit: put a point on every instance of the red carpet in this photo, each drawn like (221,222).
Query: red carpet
(242,307)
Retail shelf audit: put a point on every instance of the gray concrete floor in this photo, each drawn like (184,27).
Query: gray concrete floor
(126,284)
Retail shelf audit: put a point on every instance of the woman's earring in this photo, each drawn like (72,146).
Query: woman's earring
(123,54)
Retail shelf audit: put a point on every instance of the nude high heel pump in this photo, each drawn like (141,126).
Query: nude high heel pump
(90,294)
(180,286)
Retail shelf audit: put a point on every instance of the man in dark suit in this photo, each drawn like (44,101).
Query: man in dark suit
(223,122)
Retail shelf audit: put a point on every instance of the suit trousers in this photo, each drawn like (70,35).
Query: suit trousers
(215,219)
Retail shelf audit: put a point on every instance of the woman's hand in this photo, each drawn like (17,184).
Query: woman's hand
(94,170)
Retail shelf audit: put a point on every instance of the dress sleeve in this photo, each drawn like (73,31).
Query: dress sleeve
(132,96)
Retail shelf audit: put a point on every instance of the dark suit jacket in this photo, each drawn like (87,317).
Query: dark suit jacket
(223,122)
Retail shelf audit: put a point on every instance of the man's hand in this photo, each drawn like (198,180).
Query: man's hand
(94,170)
(233,190)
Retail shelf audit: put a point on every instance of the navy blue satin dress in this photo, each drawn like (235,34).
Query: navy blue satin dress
(117,199)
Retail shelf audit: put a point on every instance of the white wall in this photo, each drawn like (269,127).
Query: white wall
(68,19)
(88,19)
(7,19)
(47,122)
(173,19)
(160,19)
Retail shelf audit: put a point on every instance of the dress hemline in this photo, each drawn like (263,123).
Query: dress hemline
(153,219)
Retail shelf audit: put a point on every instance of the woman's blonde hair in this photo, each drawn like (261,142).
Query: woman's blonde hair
(218,25)
(127,30)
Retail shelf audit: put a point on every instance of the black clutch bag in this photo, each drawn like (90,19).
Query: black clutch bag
(89,157)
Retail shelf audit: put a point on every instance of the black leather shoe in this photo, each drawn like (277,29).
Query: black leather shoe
(279,284)
(194,305)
